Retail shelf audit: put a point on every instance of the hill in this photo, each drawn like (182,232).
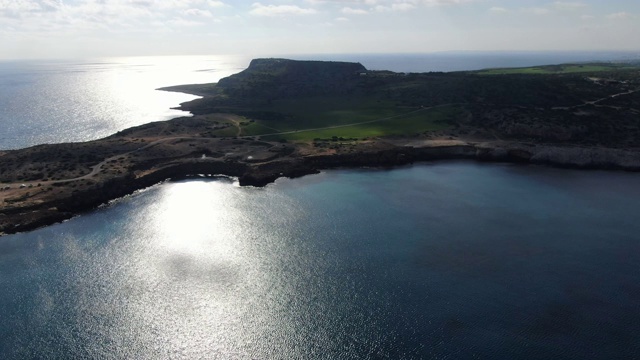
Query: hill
(586,104)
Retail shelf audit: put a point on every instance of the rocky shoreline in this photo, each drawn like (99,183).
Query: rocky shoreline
(268,122)
(26,218)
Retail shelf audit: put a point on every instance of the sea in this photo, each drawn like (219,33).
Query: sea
(437,260)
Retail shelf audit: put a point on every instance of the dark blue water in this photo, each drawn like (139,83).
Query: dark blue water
(438,261)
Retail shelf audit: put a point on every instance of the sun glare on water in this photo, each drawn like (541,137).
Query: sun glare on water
(191,217)
(130,84)
(190,262)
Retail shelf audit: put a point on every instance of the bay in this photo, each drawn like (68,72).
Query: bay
(445,260)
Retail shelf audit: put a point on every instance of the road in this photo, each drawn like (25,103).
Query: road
(595,102)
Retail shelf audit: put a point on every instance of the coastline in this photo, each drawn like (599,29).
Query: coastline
(24,216)
(237,131)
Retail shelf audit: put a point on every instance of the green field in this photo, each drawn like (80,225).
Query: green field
(351,117)
(556,69)
(317,112)
(413,123)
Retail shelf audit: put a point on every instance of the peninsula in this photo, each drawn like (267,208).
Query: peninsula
(290,118)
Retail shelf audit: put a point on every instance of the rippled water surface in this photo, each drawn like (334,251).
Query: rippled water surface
(63,101)
(445,261)
(438,261)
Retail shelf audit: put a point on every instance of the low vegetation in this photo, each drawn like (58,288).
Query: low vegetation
(589,104)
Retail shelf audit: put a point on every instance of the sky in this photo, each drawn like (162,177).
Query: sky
(97,28)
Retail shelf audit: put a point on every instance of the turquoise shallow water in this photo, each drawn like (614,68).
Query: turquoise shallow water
(451,260)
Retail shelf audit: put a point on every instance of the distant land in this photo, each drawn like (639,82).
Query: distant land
(289,118)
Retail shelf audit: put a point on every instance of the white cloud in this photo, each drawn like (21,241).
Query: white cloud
(444,2)
(152,4)
(352,11)
(198,13)
(395,5)
(402,6)
(179,22)
(342,2)
(215,3)
(20,8)
(569,5)
(498,10)
(132,25)
(50,4)
(619,16)
(104,15)
(537,11)
(258,9)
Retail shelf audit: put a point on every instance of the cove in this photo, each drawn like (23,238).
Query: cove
(439,260)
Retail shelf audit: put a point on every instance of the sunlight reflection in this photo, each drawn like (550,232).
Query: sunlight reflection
(177,70)
(190,218)
(130,84)
(94,98)
(195,265)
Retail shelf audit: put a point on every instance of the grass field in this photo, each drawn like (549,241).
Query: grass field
(555,69)
(369,118)
(324,111)
(426,120)
(407,123)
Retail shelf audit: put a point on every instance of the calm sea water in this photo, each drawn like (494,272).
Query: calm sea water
(439,261)
(65,101)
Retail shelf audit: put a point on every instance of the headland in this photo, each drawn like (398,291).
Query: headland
(291,118)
